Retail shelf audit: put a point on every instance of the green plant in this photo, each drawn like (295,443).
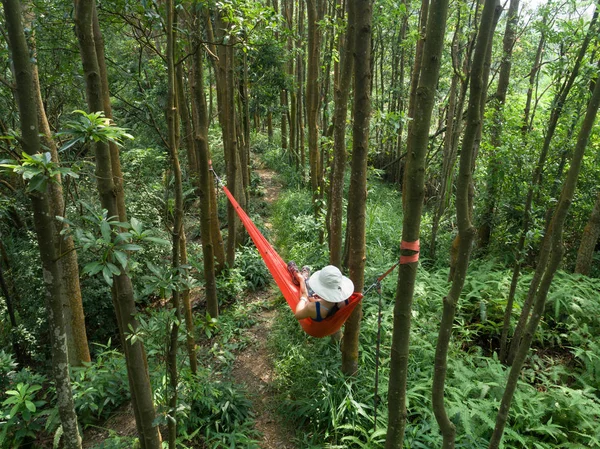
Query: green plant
(92,127)
(250,263)
(22,414)
(101,386)
(230,284)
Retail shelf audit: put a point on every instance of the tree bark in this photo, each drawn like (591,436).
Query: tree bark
(312,100)
(549,260)
(413,205)
(591,232)
(342,92)
(44,223)
(466,231)
(207,218)
(173,131)
(358,178)
(74,317)
(142,398)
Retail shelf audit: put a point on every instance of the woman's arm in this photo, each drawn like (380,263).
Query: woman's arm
(304,308)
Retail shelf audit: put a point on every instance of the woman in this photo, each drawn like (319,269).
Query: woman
(331,292)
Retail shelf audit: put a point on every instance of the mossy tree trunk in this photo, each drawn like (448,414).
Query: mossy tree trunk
(413,205)
(124,301)
(43,222)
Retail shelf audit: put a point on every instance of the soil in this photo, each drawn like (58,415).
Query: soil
(253,368)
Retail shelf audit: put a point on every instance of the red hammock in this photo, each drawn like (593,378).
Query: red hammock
(283,279)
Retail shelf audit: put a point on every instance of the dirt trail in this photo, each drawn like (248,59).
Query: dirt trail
(253,367)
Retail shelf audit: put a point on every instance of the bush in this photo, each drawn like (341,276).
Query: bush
(253,268)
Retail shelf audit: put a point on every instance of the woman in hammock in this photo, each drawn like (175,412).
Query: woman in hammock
(321,295)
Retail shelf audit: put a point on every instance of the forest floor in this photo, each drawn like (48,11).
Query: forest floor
(253,367)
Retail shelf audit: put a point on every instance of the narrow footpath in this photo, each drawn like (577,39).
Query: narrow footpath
(253,366)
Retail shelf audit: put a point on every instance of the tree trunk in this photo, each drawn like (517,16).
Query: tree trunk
(495,170)
(207,218)
(312,100)
(44,223)
(591,232)
(361,25)
(450,149)
(74,317)
(142,398)
(413,205)
(549,260)
(173,141)
(342,92)
(466,231)
(555,114)
(414,83)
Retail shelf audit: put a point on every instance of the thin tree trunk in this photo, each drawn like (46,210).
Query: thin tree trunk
(413,205)
(549,260)
(207,218)
(173,141)
(466,231)
(537,175)
(342,92)
(494,170)
(361,25)
(44,223)
(591,232)
(74,317)
(142,398)
(312,100)
(414,83)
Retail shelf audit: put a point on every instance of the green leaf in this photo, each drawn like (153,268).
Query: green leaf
(30,406)
(121,258)
(130,247)
(105,229)
(113,269)
(93,268)
(107,275)
(136,225)
(158,240)
(38,183)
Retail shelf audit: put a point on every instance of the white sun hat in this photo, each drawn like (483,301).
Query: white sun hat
(331,285)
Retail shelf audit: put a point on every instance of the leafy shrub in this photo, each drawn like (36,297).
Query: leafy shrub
(230,284)
(253,268)
(100,387)
(22,414)
(217,409)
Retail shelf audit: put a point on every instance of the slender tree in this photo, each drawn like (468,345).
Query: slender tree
(312,99)
(177,230)
(43,221)
(550,256)
(494,170)
(411,223)
(342,92)
(123,297)
(205,180)
(466,231)
(557,108)
(358,177)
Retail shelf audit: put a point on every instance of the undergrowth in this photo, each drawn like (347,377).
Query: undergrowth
(556,404)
